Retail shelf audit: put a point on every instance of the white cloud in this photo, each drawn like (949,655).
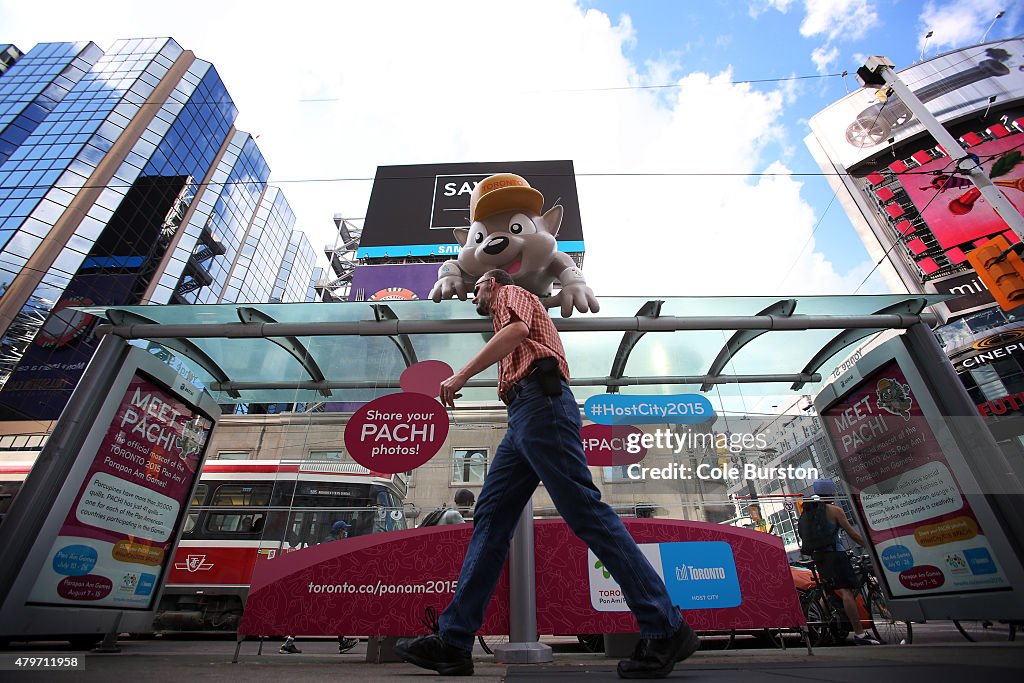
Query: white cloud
(838,19)
(488,82)
(759,7)
(824,57)
(957,23)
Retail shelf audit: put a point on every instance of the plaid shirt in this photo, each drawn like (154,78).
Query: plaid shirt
(515,303)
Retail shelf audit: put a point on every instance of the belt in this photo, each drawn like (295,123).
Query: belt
(517,387)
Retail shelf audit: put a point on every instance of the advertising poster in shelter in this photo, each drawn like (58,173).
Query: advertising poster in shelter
(927,537)
(115,541)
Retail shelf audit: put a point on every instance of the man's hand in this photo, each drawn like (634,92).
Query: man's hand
(450,389)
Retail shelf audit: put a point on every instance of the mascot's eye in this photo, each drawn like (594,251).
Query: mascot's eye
(479,237)
(521,224)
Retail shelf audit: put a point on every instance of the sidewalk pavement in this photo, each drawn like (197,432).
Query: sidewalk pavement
(155,661)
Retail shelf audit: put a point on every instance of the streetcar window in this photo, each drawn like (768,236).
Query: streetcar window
(200,495)
(244,494)
(8,490)
(283,492)
(250,523)
(330,494)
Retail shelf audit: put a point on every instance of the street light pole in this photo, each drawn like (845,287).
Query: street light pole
(878,71)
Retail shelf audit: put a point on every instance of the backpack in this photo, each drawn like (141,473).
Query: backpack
(816,531)
(432,517)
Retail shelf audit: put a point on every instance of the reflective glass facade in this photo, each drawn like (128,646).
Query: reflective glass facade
(266,242)
(298,275)
(36,83)
(122,181)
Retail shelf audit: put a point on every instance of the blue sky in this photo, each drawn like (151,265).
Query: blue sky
(778,39)
(334,89)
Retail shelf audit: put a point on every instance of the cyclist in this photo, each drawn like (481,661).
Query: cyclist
(819,532)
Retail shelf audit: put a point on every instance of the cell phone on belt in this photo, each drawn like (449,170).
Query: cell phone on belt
(548,376)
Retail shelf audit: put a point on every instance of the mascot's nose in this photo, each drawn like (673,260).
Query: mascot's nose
(496,245)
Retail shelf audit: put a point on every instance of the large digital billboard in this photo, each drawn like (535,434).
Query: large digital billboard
(413,209)
(951,85)
(950,204)
(393,282)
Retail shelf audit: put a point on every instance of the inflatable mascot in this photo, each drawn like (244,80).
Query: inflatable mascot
(509,231)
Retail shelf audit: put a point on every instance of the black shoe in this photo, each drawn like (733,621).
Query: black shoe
(430,652)
(289,648)
(346,644)
(655,657)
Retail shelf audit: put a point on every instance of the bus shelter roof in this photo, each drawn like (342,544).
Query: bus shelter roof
(356,351)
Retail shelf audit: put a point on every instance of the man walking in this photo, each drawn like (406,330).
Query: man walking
(542,444)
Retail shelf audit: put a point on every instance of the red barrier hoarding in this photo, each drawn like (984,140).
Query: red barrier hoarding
(382,584)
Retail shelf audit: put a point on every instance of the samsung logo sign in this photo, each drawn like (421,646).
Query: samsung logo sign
(687,573)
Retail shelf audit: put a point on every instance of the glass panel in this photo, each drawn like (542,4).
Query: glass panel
(378,362)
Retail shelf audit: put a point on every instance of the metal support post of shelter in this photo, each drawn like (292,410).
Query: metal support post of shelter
(523,646)
(997,478)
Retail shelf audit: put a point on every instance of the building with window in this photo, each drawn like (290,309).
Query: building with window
(123,180)
(919,217)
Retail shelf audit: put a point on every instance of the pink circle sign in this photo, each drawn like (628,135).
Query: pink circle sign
(396,433)
(88,587)
(922,577)
(425,377)
(612,445)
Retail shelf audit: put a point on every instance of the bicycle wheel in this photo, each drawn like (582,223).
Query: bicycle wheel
(488,643)
(984,630)
(818,616)
(884,627)
(591,642)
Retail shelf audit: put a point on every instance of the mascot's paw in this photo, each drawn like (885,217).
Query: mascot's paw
(448,287)
(578,296)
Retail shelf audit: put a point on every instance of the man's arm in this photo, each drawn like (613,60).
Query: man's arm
(499,346)
(840,519)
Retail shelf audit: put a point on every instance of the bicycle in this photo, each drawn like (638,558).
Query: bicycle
(826,619)
(987,631)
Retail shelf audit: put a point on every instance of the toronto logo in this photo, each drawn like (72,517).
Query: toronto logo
(194,563)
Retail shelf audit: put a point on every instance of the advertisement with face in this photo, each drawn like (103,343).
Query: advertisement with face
(114,543)
(867,121)
(927,537)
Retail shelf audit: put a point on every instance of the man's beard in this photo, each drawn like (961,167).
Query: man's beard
(483,309)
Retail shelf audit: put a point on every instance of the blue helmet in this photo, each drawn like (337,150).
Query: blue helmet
(824,487)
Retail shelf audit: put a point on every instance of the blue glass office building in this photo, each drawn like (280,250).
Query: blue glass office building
(123,180)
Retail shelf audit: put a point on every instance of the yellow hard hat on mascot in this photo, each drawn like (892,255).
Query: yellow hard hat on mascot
(503,192)
(510,231)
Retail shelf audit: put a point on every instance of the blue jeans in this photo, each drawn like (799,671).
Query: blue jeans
(543,443)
